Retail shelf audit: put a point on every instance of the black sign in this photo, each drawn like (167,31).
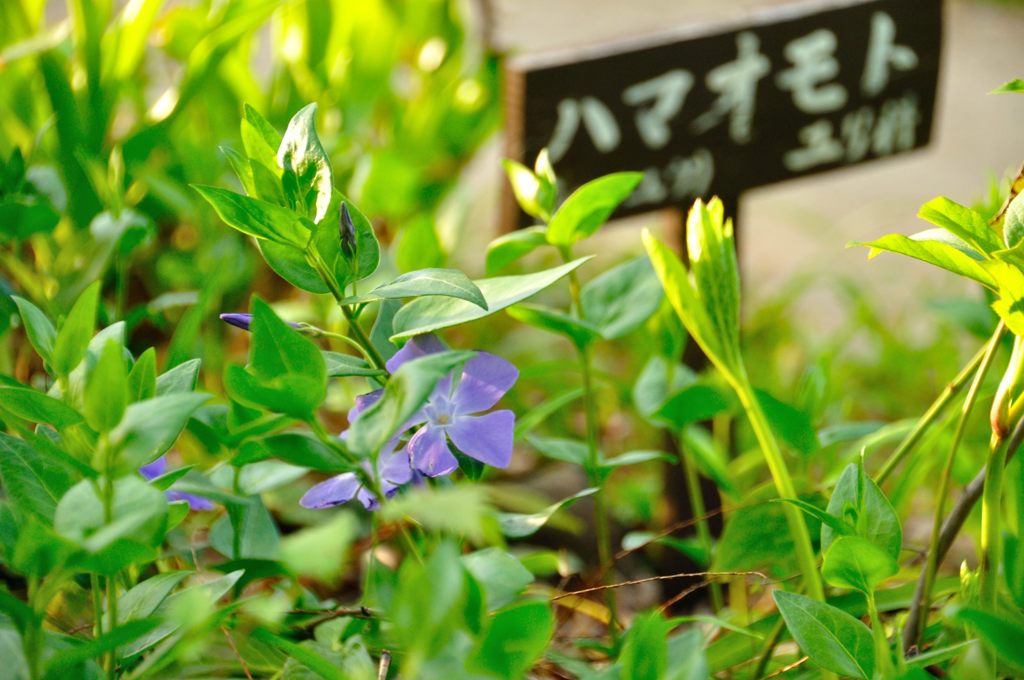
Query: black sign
(803,90)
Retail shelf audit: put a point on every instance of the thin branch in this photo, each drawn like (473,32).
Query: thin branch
(385,665)
(238,655)
(666,577)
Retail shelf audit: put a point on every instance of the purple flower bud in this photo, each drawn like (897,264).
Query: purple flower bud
(243,321)
(347,230)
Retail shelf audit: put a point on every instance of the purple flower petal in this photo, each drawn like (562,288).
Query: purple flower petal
(485,379)
(242,321)
(395,469)
(194,502)
(363,402)
(487,438)
(429,452)
(419,346)
(334,491)
(154,469)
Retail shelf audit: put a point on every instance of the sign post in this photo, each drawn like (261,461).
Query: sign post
(798,91)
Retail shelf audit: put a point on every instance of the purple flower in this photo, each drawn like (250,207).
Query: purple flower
(447,415)
(243,321)
(392,468)
(157,468)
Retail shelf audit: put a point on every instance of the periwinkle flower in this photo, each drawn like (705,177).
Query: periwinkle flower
(393,471)
(244,321)
(157,468)
(448,414)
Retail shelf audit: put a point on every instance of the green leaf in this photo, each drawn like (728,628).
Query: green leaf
(515,525)
(423,282)
(832,638)
(556,448)
(692,404)
(621,299)
(149,428)
(247,532)
(319,552)
(793,426)
(1013,222)
(210,591)
(142,377)
(106,389)
(1003,634)
(41,333)
(535,195)
(837,525)
(430,314)
(686,659)
(34,481)
(68,659)
(302,155)
(856,562)
(303,654)
(635,458)
(507,248)
(858,501)
(406,391)
(291,264)
(347,366)
(580,333)
(529,420)
(328,244)
(76,331)
(938,253)
(137,515)
(257,218)
(1010,303)
(514,639)
(644,653)
(181,378)
(460,510)
(590,206)
(292,447)
(37,407)
(701,448)
(428,601)
(685,301)
(143,599)
(961,221)
(502,576)
(1015,85)
(259,138)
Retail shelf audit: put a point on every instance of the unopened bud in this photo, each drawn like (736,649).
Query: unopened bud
(347,230)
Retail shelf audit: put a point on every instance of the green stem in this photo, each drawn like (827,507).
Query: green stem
(784,485)
(593,462)
(699,512)
(919,609)
(372,355)
(991,496)
(33,632)
(929,416)
(883,656)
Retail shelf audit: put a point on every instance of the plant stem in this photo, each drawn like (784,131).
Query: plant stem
(593,462)
(922,598)
(372,355)
(991,496)
(929,416)
(806,560)
(33,631)
(883,655)
(699,512)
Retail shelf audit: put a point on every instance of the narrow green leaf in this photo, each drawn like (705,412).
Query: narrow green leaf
(506,249)
(581,333)
(423,282)
(346,366)
(1015,85)
(430,314)
(304,655)
(76,331)
(516,525)
(38,328)
(535,195)
(933,252)
(37,407)
(1003,634)
(257,218)
(181,378)
(106,389)
(149,428)
(142,378)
